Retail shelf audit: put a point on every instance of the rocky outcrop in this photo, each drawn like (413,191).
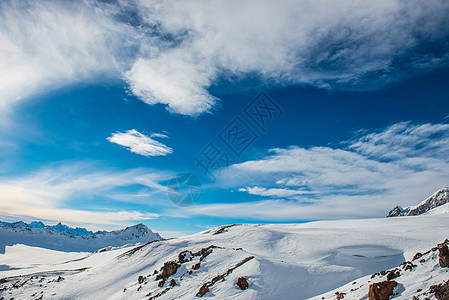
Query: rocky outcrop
(242,283)
(437,199)
(441,291)
(443,256)
(381,290)
(170,268)
(205,287)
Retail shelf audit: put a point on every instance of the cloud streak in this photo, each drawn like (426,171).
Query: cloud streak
(55,193)
(140,144)
(172,52)
(366,177)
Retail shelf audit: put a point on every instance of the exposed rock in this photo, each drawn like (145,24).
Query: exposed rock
(60,278)
(339,295)
(441,291)
(170,268)
(222,276)
(242,283)
(161,283)
(444,256)
(381,290)
(395,212)
(196,266)
(185,256)
(225,228)
(173,282)
(203,290)
(141,279)
(417,255)
(437,199)
(392,274)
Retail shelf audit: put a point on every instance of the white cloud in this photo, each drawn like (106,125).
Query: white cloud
(138,143)
(171,52)
(50,44)
(366,177)
(55,194)
(272,192)
(327,44)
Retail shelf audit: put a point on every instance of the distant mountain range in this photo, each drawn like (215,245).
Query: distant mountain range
(65,238)
(437,199)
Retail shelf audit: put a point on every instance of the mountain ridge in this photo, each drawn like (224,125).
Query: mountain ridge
(65,238)
(437,199)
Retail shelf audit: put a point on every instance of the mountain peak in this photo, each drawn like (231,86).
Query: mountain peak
(63,237)
(438,198)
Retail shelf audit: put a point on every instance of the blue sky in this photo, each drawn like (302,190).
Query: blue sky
(104,102)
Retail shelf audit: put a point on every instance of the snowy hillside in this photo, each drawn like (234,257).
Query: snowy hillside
(439,198)
(65,238)
(426,276)
(290,261)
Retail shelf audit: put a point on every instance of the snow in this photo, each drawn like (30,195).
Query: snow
(291,261)
(64,238)
(415,282)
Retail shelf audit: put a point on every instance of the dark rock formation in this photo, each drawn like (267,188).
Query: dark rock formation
(242,283)
(173,282)
(443,256)
(417,255)
(196,266)
(437,199)
(169,269)
(203,290)
(185,256)
(441,291)
(381,290)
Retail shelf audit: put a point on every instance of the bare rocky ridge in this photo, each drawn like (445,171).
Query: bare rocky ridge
(437,199)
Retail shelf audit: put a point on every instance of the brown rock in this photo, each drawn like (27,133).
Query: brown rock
(393,274)
(161,283)
(444,256)
(203,290)
(441,291)
(381,290)
(169,269)
(173,282)
(196,266)
(339,295)
(185,256)
(242,283)
(417,255)
(140,279)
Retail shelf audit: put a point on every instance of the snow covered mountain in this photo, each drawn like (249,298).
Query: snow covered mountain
(437,199)
(282,261)
(64,238)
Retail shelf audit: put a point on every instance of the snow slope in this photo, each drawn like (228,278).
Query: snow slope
(64,238)
(414,279)
(290,261)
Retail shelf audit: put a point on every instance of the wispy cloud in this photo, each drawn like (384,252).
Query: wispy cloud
(400,165)
(55,194)
(272,192)
(50,44)
(171,52)
(141,144)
